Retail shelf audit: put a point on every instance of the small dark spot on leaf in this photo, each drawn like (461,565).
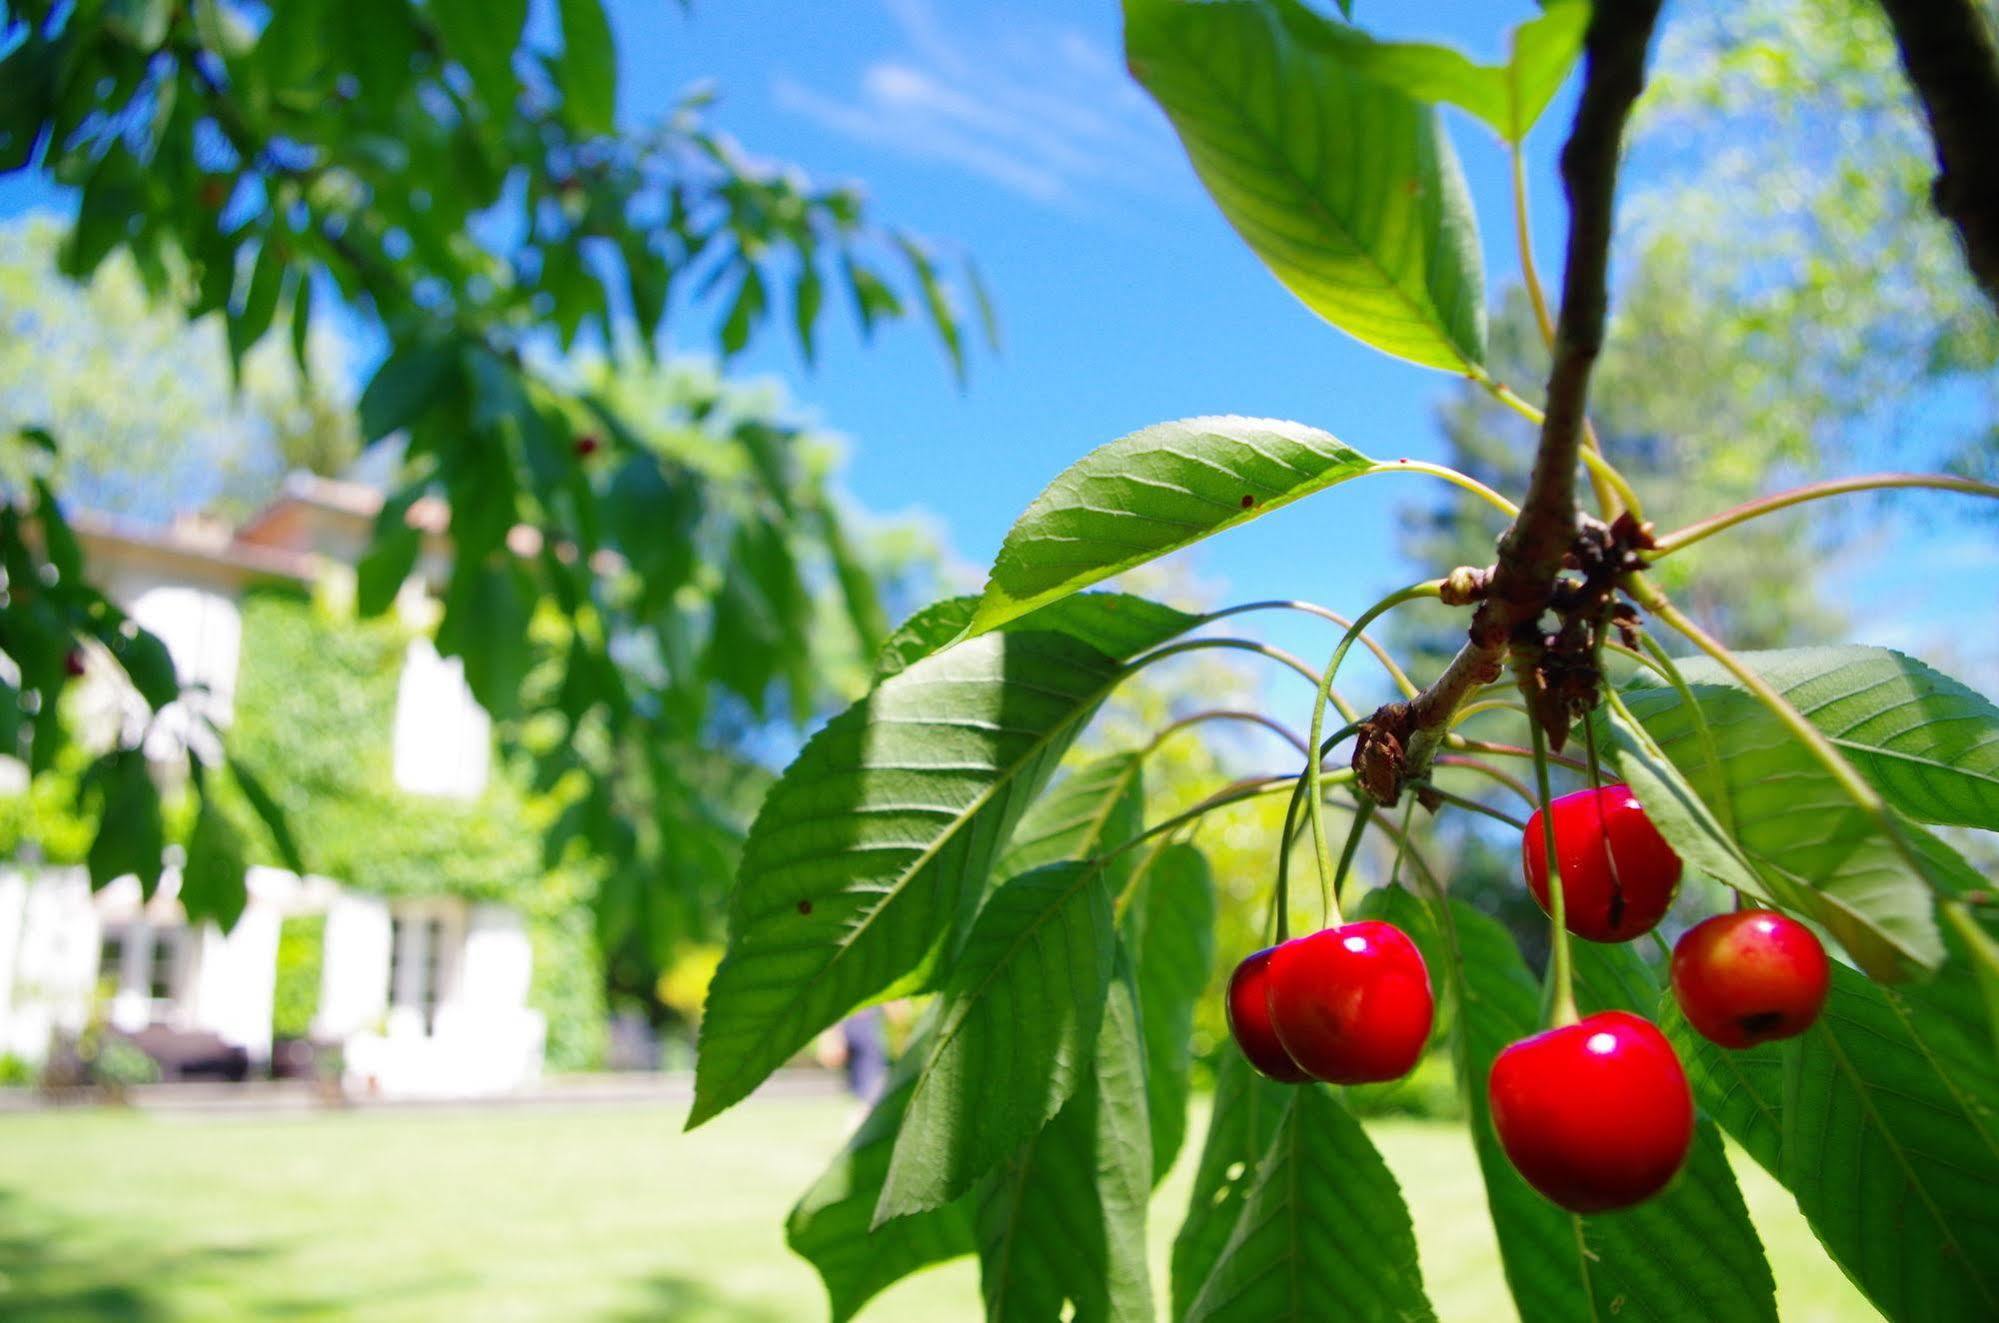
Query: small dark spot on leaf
(1248,501)
(805,907)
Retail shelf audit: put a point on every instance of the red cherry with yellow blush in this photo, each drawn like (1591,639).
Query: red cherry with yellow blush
(1592,827)
(1750,977)
(1595,1115)
(1352,1004)
(1249,1020)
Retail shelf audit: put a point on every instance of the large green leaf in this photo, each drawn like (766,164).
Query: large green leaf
(871,850)
(481,35)
(1241,1124)
(1087,809)
(1161,488)
(1061,1222)
(1345,186)
(1687,1253)
(1809,845)
(1928,743)
(1508,97)
(1169,928)
(831,1226)
(131,838)
(1323,1232)
(1880,1119)
(1015,1034)
(212,879)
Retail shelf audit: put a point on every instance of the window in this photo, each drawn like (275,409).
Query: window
(111,962)
(443,737)
(421,947)
(142,962)
(164,976)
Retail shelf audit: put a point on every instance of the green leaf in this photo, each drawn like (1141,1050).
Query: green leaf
(831,1226)
(872,848)
(1241,1125)
(1508,97)
(746,311)
(1157,490)
(1928,743)
(131,839)
(391,555)
(925,632)
(269,812)
(1169,928)
(212,880)
(1811,847)
(1015,1033)
(1345,186)
(1888,1147)
(587,69)
(1323,1232)
(59,543)
(145,660)
(486,611)
(808,292)
(404,387)
(249,322)
(1688,1253)
(936,302)
(481,35)
(1061,1222)
(1090,807)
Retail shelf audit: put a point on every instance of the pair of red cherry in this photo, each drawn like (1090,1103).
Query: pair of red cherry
(1597,1115)
(1348,1005)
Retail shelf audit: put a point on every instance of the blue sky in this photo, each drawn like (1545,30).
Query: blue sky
(1010,130)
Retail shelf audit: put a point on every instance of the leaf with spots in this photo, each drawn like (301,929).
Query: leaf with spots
(1241,1124)
(1160,489)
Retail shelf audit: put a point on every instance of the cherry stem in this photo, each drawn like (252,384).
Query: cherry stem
(1277,728)
(1277,655)
(1491,773)
(1510,751)
(1763,505)
(1388,663)
(1455,478)
(1562,1004)
(1429,588)
(1362,812)
(1467,802)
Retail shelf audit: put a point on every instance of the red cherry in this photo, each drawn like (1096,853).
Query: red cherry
(72,663)
(586,445)
(1592,826)
(1751,976)
(1596,1115)
(1249,1020)
(1352,1004)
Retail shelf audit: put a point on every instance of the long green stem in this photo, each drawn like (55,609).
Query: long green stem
(1467,802)
(1192,719)
(1611,486)
(1312,765)
(1456,741)
(1455,478)
(1277,655)
(1470,710)
(1692,533)
(1491,773)
(1561,980)
(1388,663)
(1360,816)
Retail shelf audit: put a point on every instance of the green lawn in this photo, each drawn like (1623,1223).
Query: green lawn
(583,1214)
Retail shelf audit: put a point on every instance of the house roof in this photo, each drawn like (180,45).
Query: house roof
(195,548)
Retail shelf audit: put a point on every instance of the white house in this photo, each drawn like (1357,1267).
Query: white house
(425,997)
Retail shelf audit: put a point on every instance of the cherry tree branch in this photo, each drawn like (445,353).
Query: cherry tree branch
(1952,59)
(1532,550)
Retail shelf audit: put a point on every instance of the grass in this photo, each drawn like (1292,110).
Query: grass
(600,1214)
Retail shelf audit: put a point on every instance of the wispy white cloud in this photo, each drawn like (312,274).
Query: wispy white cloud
(1040,109)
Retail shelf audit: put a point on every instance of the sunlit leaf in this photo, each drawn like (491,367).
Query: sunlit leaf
(1162,488)
(1344,185)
